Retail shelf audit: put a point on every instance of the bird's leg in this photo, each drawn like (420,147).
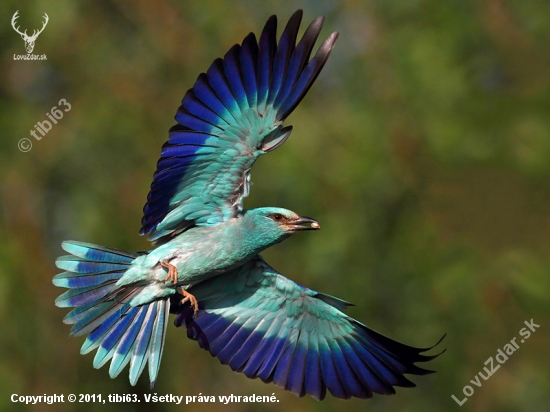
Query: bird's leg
(172,272)
(173,276)
(187,297)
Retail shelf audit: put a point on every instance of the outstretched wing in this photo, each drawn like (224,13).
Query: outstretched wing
(266,326)
(232,115)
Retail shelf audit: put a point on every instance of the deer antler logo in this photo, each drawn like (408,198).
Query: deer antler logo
(29,40)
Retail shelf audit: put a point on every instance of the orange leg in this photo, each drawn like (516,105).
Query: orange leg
(187,297)
(172,272)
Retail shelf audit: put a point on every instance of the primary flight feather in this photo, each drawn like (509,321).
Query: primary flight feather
(206,265)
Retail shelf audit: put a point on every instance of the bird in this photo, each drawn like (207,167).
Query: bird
(205,264)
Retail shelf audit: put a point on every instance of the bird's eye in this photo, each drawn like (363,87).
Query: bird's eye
(277,217)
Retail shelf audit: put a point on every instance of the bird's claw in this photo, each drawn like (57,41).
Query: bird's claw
(187,297)
(173,276)
(172,272)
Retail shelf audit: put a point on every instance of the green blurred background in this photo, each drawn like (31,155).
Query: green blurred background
(423,149)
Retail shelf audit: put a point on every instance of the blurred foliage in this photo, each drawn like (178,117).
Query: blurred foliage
(423,149)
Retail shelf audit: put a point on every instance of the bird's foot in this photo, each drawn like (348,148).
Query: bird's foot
(172,272)
(187,297)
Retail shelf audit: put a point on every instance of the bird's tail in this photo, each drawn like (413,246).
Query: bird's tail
(123,333)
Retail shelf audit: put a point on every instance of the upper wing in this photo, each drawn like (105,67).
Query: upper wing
(232,115)
(266,326)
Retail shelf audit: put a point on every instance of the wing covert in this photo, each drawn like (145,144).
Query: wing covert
(232,115)
(266,326)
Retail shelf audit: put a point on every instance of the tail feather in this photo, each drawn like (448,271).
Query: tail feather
(120,332)
(82,312)
(157,339)
(102,322)
(139,358)
(91,310)
(110,340)
(97,253)
(81,266)
(122,356)
(69,280)
(85,295)
(106,312)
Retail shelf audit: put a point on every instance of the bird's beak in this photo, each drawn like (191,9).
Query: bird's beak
(296,224)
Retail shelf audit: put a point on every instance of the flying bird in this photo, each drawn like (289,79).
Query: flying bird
(205,265)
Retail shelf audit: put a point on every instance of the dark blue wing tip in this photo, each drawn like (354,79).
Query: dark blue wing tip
(437,343)
(428,358)
(299,13)
(415,370)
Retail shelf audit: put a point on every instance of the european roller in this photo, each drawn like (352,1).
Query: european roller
(205,265)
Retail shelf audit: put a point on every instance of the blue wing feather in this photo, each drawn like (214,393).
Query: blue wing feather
(265,372)
(220,342)
(185,150)
(192,104)
(177,162)
(370,382)
(296,373)
(298,59)
(313,380)
(175,173)
(249,346)
(195,123)
(282,369)
(266,53)
(232,347)
(191,137)
(328,370)
(248,63)
(220,85)
(284,51)
(347,375)
(259,355)
(368,379)
(306,78)
(233,76)
(208,97)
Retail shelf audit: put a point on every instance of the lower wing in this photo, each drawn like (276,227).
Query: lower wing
(266,326)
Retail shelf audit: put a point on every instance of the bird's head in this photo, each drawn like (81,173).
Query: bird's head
(274,224)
